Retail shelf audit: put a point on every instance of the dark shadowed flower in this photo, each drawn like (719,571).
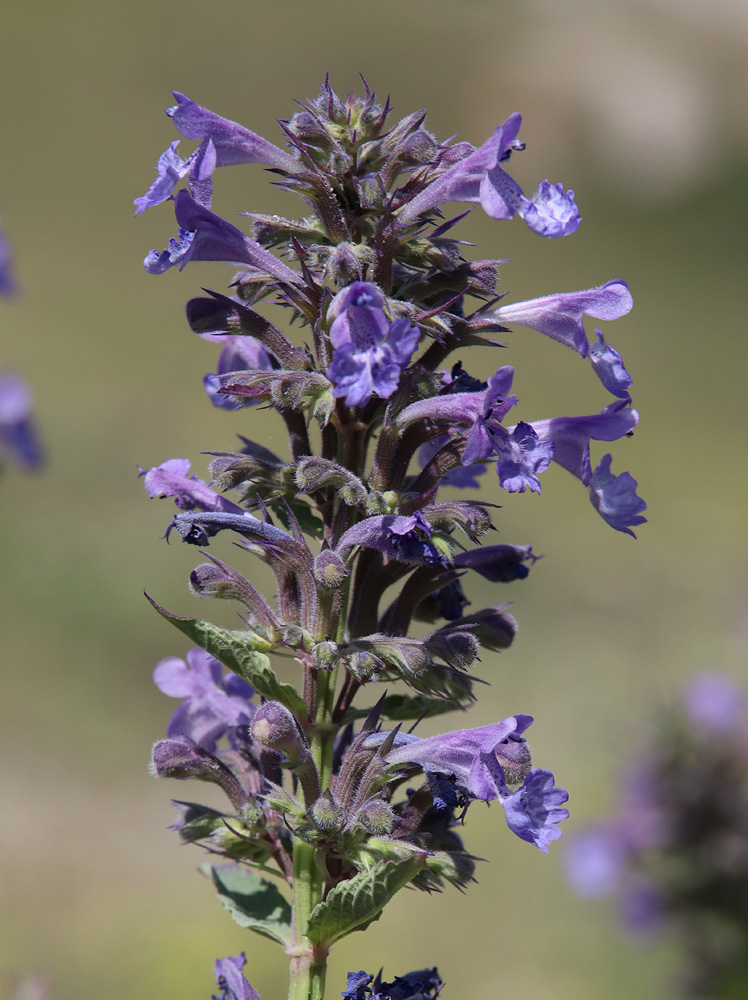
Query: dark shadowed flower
(479,178)
(239,354)
(18,437)
(420,985)
(369,351)
(231,981)
(172,479)
(498,563)
(560,316)
(615,498)
(212,703)
(460,476)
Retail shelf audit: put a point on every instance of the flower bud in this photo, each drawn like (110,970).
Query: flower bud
(325,655)
(515,758)
(327,812)
(276,728)
(329,570)
(376,816)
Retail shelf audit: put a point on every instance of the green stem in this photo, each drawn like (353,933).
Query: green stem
(308,965)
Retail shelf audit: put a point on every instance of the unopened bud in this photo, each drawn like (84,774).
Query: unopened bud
(327,812)
(377,817)
(515,758)
(325,655)
(275,728)
(329,569)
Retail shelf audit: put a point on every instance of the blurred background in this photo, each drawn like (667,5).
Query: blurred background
(639,106)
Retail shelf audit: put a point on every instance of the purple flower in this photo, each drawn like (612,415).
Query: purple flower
(172,479)
(223,143)
(369,351)
(595,861)
(560,316)
(498,563)
(7,278)
(571,436)
(18,435)
(714,703)
(608,365)
(212,703)
(231,980)
(615,498)
(401,537)
(479,178)
(458,752)
(522,455)
(534,811)
(462,476)
(205,236)
(240,353)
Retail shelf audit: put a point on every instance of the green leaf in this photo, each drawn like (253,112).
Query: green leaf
(252,901)
(403,707)
(354,904)
(234,650)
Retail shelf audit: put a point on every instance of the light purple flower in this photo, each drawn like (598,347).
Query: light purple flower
(560,316)
(18,435)
(212,703)
(497,402)
(240,353)
(479,178)
(172,479)
(231,980)
(171,169)
(571,436)
(205,236)
(714,703)
(369,352)
(458,752)
(534,811)
(615,498)
(608,365)
(595,861)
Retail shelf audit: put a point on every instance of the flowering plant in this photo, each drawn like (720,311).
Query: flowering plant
(328,795)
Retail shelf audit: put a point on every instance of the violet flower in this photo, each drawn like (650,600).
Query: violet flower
(401,537)
(205,236)
(608,365)
(172,479)
(479,178)
(560,316)
(212,703)
(231,980)
(615,498)
(369,352)
(18,436)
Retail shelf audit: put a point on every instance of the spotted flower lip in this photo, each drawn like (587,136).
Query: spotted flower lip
(401,537)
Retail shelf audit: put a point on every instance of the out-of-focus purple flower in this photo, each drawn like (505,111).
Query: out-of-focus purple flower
(406,538)
(479,178)
(240,353)
(172,479)
(7,278)
(205,236)
(615,498)
(571,436)
(18,437)
(212,703)
(231,980)
(715,703)
(560,316)
(595,861)
(608,365)
(369,351)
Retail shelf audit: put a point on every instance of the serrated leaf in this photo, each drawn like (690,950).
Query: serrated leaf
(252,901)
(354,904)
(403,707)
(234,650)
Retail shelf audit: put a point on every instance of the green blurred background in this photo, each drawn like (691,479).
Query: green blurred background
(640,106)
